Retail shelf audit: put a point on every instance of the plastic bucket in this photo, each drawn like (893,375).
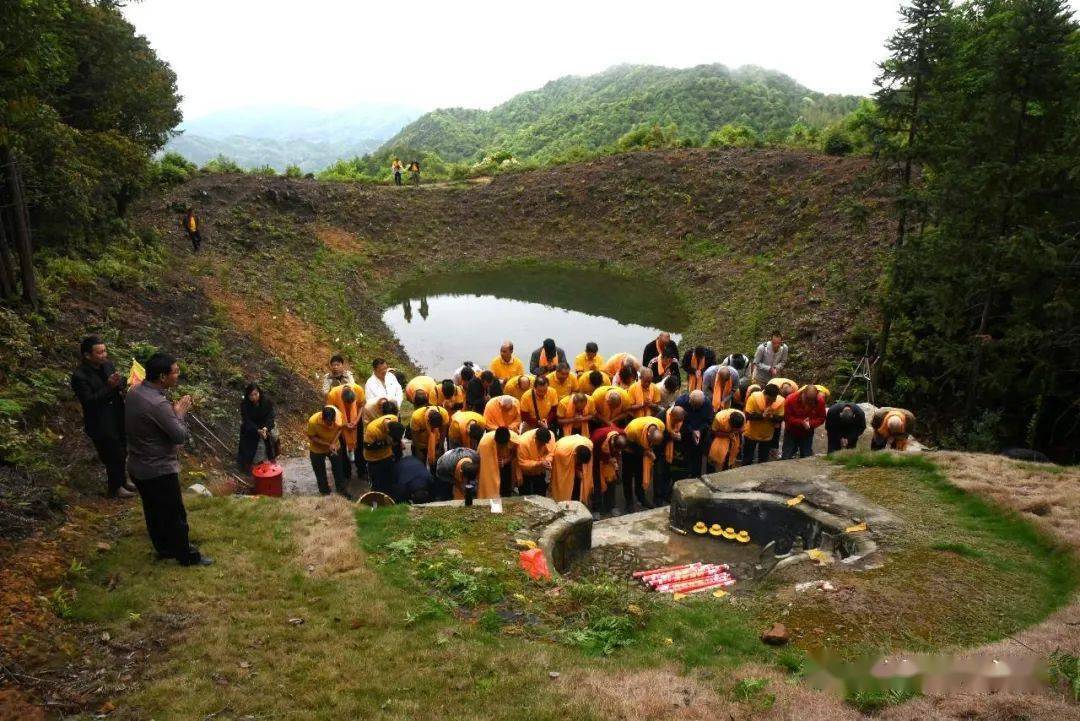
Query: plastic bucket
(268,476)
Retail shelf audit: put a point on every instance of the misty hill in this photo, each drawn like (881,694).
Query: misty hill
(282,135)
(595,111)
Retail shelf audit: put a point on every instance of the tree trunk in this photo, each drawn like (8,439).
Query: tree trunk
(7,264)
(23,245)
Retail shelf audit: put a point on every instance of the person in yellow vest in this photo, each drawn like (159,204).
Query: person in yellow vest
(824,393)
(534,451)
(503,412)
(193,227)
(612,406)
(642,436)
(498,458)
(673,423)
(786,386)
(764,414)
(571,470)
(892,428)
(517,386)
(466,429)
(589,382)
(538,405)
(590,360)
(616,362)
(424,384)
(449,395)
(429,426)
(727,433)
(506,365)
(562,380)
(349,400)
(324,439)
(609,442)
(644,395)
(382,446)
(575,413)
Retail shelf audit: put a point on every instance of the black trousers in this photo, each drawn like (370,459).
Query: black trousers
(113,455)
(318,465)
(506,480)
(534,485)
(755,451)
(196,239)
(633,477)
(346,465)
(166,518)
(835,438)
(662,481)
(397,178)
(694,453)
(382,474)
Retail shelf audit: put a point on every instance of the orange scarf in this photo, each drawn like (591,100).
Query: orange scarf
(661,367)
(544,358)
(673,427)
(459,481)
(694,381)
(720,389)
(434,438)
(607,468)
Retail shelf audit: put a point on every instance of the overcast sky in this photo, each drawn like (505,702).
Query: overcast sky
(335,53)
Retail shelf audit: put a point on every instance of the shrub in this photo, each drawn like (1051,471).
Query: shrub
(293,171)
(221,164)
(172,169)
(837,142)
(734,135)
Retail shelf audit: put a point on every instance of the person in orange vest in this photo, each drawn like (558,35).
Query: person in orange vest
(695,362)
(534,452)
(892,428)
(642,435)
(498,461)
(644,395)
(349,400)
(571,469)
(575,413)
(517,386)
(590,360)
(538,405)
(617,362)
(506,365)
(324,438)
(666,364)
(503,412)
(589,382)
(192,225)
(449,395)
(674,417)
(727,433)
(764,410)
(466,429)
(429,427)
(609,442)
(546,358)
(562,380)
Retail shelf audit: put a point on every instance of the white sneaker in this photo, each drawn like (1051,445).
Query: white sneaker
(123,492)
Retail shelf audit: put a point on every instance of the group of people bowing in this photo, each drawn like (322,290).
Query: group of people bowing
(577,431)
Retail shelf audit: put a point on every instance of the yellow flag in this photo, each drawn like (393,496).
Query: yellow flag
(137,374)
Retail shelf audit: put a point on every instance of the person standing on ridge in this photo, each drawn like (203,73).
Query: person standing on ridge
(396,168)
(192,225)
(770,359)
(414,172)
(339,375)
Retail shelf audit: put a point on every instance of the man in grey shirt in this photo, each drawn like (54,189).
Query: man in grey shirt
(769,359)
(155,431)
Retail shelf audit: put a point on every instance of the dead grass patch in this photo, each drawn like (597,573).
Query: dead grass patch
(283,333)
(1000,707)
(325,531)
(338,239)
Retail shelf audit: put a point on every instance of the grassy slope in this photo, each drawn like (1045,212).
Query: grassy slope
(751,240)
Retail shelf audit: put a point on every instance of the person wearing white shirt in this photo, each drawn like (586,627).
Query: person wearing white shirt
(383,383)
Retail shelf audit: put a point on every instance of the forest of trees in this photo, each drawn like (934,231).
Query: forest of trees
(980,106)
(84,105)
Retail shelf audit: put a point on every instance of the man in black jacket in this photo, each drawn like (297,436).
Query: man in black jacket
(100,390)
(844,423)
(480,389)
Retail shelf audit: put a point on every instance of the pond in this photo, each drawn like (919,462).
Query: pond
(444,320)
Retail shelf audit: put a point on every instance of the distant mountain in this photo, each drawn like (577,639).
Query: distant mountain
(284,135)
(595,111)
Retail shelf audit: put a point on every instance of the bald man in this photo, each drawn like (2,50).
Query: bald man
(892,428)
(804,410)
(506,365)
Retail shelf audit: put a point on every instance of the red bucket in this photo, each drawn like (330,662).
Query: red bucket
(268,477)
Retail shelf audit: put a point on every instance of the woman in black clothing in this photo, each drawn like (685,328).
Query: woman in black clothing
(256,425)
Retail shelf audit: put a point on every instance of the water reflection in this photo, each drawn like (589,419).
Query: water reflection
(467,316)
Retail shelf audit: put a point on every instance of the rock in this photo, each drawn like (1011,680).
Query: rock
(776,635)
(553,674)
(103,547)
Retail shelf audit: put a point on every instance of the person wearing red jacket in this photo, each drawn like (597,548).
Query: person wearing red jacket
(804,411)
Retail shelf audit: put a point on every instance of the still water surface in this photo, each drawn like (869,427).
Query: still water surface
(446,320)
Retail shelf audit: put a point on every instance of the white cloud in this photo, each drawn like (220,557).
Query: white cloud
(335,53)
